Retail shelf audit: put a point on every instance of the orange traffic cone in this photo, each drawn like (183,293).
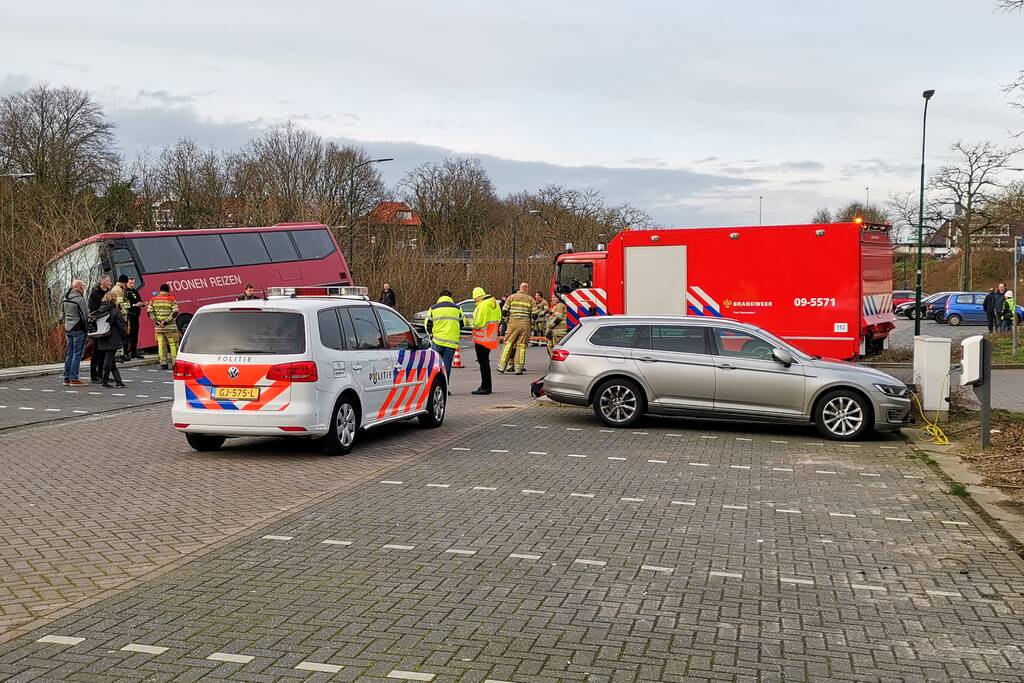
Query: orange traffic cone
(457,362)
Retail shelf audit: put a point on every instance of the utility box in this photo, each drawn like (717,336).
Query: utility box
(931,373)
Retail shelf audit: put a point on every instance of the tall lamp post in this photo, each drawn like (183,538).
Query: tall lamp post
(352,207)
(927,95)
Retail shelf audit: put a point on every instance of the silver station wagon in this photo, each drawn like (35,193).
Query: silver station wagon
(626,366)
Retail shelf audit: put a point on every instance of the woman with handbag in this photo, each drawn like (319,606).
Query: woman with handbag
(113,340)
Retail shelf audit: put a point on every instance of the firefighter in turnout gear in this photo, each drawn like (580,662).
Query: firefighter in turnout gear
(557,326)
(443,324)
(486,318)
(162,310)
(517,334)
(540,315)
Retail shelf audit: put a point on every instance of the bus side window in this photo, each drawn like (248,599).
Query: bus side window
(279,246)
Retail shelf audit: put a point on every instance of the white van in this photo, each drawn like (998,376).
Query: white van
(320,362)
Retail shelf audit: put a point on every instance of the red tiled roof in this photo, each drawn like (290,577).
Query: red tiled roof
(386,213)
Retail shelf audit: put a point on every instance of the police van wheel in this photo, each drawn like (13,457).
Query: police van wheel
(204,442)
(437,404)
(344,428)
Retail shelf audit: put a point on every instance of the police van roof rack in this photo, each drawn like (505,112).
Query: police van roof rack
(346,292)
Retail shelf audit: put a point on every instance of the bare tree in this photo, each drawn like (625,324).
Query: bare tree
(846,214)
(822,215)
(60,135)
(967,187)
(456,200)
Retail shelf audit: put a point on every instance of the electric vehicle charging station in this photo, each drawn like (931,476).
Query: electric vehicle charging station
(976,371)
(931,373)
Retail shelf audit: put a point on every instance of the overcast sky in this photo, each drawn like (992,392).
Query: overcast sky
(689,109)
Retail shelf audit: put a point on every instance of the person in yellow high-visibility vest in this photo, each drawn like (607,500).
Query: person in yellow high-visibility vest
(162,310)
(486,318)
(517,334)
(444,325)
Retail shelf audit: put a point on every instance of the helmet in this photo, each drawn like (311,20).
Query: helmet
(479,293)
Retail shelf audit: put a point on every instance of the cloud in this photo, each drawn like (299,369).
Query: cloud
(754,167)
(72,66)
(12,83)
(163,98)
(877,166)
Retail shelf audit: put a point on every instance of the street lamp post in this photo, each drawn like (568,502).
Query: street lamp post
(927,95)
(352,207)
(760,203)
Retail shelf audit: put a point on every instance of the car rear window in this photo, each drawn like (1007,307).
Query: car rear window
(619,336)
(248,332)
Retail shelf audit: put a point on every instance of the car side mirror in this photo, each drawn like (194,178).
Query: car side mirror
(424,343)
(782,356)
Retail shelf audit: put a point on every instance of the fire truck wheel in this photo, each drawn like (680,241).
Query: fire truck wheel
(619,402)
(843,415)
(204,442)
(344,428)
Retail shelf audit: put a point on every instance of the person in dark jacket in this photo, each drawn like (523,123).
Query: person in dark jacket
(75,314)
(387,296)
(999,304)
(111,343)
(989,306)
(248,293)
(133,304)
(95,299)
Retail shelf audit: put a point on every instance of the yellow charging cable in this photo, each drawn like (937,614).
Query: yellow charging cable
(931,428)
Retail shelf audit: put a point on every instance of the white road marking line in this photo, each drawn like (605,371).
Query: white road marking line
(611,457)
(53,410)
(144,649)
(485,488)
(141,395)
(331,541)
(888,448)
(47,391)
(865,587)
(945,594)
(825,472)
(673,435)
(684,502)
(24,389)
(438,486)
(631,500)
(952,523)
(80,412)
(147,381)
(539,427)
(70,391)
(734,507)
(841,514)
(726,575)
(700,464)
(117,394)
(815,444)
(390,481)
(498,450)
(581,495)
(410,675)
(655,568)
(495,680)
(460,551)
(166,398)
(576,455)
(278,538)
(659,462)
(592,563)
(25,408)
(537,453)
(743,438)
(229,657)
(573,429)
(782,469)
(95,393)
(319,666)
(528,491)
(789,510)
(641,433)
(460,449)
(775,441)
(508,425)
(912,476)
(802,582)
(3,406)
(522,556)
(60,640)
(897,519)
(851,445)
(607,431)
(739,467)
(707,436)
(395,546)
(826,540)
(870,474)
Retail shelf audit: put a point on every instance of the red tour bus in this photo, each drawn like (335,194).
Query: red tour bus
(201,266)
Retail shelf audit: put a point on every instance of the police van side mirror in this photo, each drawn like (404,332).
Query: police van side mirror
(424,343)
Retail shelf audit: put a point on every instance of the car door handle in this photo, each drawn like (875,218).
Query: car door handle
(648,359)
(726,366)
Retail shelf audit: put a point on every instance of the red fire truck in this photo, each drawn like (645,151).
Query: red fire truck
(827,289)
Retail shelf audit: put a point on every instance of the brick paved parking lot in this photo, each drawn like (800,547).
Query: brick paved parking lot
(542,547)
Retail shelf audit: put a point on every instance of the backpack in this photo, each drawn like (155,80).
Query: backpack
(99,327)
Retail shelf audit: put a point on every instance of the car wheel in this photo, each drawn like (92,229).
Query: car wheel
(940,318)
(619,402)
(436,406)
(341,437)
(204,442)
(843,415)
(954,320)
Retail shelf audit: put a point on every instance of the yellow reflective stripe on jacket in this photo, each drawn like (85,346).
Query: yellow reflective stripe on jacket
(444,323)
(520,306)
(485,323)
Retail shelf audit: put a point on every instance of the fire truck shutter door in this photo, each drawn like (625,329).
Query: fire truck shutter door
(656,280)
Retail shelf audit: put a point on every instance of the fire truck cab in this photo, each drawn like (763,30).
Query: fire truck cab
(827,288)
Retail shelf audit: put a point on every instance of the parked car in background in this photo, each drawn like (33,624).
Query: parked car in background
(907,309)
(628,365)
(965,308)
(936,308)
(904,296)
(467,306)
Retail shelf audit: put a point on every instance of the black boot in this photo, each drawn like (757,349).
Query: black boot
(481,392)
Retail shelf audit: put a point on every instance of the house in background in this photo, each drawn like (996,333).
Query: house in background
(395,221)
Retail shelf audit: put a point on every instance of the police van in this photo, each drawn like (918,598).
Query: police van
(314,362)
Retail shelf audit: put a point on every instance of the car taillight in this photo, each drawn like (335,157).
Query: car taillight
(559,354)
(185,370)
(303,371)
